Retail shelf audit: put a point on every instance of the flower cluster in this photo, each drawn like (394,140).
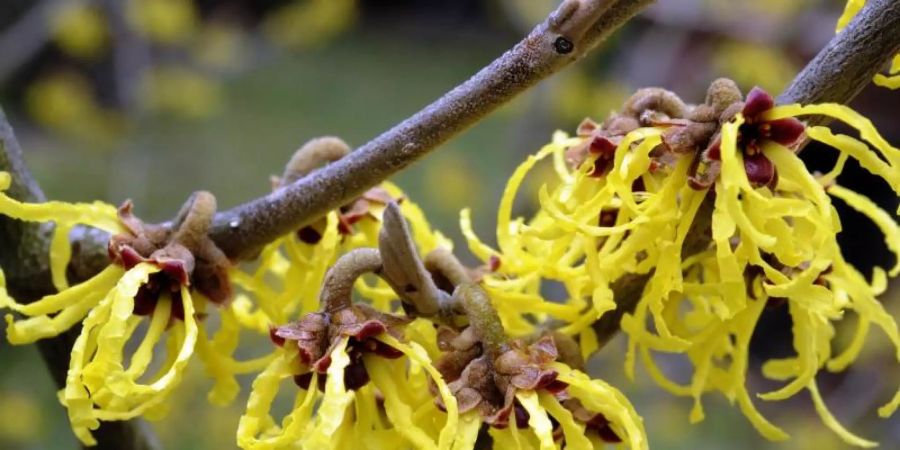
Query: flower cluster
(691,219)
(687,221)
(377,375)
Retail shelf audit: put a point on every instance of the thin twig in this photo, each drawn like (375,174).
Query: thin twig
(567,35)
(25,262)
(837,73)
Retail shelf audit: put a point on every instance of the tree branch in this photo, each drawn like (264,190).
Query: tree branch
(241,231)
(837,73)
(567,35)
(25,261)
(847,64)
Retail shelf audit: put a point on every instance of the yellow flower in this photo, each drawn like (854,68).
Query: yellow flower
(292,268)
(99,387)
(785,249)
(754,64)
(343,418)
(80,30)
(164,21)
(628,210)
(65,102)
(309,23)
(611,415)
(181,91)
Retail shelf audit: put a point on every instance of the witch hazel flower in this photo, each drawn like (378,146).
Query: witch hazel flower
(348,356)
(526,394)
(292,268)
(755,131)
(526,390)
(163,275)
(432,389)
(724,171)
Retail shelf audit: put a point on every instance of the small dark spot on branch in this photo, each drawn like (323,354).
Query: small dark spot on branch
(563,46)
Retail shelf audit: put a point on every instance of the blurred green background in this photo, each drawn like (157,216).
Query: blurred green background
(152,99)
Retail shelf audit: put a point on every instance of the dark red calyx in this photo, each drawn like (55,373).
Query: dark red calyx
(175,269)
(365,330)
(522,415)
(586,127)
(785,131)
(601,167)
(275,338)
(760,170)
(130,257)
(714,151)
(594,421)
(494,263)
(490,386)
(602,145)
(758,101)
(317,335)
(360,208)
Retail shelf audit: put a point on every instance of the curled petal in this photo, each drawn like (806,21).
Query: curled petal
(831,421)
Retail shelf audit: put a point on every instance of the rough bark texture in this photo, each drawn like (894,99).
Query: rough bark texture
(847,64)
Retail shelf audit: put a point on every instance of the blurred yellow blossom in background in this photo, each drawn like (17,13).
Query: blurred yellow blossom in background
(65,102)
(452,183)
(163,21)
(310,23)
(20,416)
(219,45)
(180,91)
(578,95)
(80,30)
(775,8)
(752,64)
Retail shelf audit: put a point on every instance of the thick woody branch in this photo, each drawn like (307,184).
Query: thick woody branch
(847,64)
(837,73)
(24,259)
(568,34)
(565,36)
